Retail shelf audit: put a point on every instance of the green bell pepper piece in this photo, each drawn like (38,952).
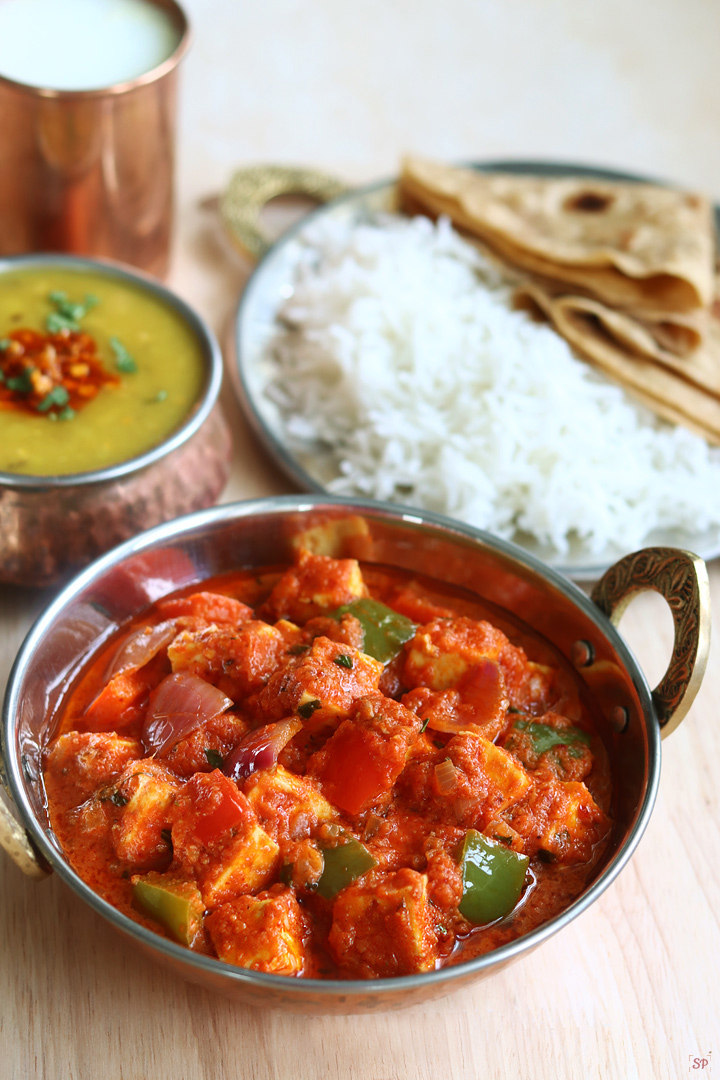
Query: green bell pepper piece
(544,737)
(386,631)
(493,878)
(342,865)
(177,905)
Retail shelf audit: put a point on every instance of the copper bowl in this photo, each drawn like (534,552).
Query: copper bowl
(50,526)
(251,534)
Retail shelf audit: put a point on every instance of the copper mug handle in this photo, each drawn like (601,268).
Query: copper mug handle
(252,188)
(681,578)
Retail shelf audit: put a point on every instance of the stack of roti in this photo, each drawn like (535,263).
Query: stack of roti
(624,271)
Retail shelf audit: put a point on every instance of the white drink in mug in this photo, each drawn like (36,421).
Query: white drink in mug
(83,44)
(87,127)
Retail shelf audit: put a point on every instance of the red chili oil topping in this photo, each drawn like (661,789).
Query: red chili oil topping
(53,374)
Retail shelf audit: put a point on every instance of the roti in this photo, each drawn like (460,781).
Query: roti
(633,246)
(683,391)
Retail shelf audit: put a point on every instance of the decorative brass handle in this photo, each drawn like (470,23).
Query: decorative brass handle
(681,578)
(250,189)
(14,840)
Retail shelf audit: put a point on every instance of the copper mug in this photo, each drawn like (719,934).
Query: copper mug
(90,172)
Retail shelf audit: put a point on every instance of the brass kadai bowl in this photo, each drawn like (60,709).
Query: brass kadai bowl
(633,717)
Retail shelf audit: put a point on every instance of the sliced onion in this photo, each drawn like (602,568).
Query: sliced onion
(372,824)
(178,705)
(260,748)
(141,646)
(446,776)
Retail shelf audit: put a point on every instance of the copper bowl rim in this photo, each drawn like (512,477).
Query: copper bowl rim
(178,15)
(211,354)
(306,989)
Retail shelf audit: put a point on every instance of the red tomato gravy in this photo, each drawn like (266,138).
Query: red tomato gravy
(330,770)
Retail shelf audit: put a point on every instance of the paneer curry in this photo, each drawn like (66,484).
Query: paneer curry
(329,770)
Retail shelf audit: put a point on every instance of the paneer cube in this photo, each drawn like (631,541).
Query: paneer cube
(383,925)
(146,791)
(559,819)
(216,836)
(359,764)
(320,685)
(238,659)
(315,585)
(264,932)
(80,762)
(248,862)
(345,536)
(288,807)
(443,650)
(488,780)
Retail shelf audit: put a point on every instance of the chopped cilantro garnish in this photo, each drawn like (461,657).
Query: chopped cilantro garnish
(343,660)
(426,721)
(545,737)
(57,396)
(56,323)
(123,360)
(214,758)
(22,384)
(4,342)
(118,799)
(308,708)
(160,396)
(67,315)
(66,414)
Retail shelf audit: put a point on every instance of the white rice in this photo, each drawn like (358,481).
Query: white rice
(399,349)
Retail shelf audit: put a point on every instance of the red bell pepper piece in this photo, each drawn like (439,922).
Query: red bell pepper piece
(218,805)
(353,773)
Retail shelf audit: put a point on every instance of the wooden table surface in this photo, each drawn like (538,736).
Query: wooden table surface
(631,988)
